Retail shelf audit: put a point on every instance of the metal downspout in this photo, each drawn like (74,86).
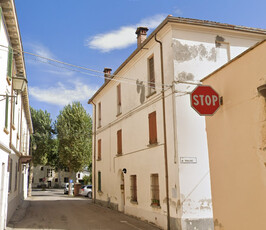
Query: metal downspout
(94,155)
(165,138)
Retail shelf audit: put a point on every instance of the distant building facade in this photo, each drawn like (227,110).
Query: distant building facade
(15,119)
(237,142)
(49,177)
(150,153)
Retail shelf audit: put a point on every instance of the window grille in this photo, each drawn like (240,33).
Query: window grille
(133,188)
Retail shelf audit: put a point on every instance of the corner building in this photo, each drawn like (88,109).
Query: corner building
(150,153)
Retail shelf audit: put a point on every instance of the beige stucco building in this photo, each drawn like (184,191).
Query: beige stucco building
(48,176)
(237,142)
(150,152)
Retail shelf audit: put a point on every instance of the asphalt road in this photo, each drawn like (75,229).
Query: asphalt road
(52,210)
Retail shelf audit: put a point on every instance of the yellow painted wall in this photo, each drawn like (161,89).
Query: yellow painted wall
(237,143)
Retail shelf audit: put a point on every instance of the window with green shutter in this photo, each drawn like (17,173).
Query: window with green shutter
(9,63)
(99,182)
(13,111)
(6,114)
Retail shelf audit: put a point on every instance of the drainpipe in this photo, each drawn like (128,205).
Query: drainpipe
(94,155)
(165,138)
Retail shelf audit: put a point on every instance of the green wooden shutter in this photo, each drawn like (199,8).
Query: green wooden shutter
(6,115)
(9,63)
(99,181)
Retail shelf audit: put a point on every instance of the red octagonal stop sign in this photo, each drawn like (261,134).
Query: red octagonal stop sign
(205,100)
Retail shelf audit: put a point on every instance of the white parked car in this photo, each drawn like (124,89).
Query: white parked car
(86,190)
(66,188)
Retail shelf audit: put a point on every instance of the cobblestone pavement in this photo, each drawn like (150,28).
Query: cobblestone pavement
(51,209)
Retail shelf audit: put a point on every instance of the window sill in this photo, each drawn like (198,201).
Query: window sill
(99,127)
(6,131)
(152,145)
(157,206)
(99,159)
(13,127)
(100,192)
(134,202)
(119,154)
(117,115)
(151,94)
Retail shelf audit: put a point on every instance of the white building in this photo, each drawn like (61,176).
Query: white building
(150,154)
(15,119)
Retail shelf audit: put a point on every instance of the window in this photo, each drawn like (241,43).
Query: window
(65,179)
(99,149)
(99,114)
(155,198)
(119,142)
(152,128)
(13,112)
(99,181)
(78,175)
(66,169)
(16,176)
(56,180)
(49,172)
(10,174)
(18,125)
(151,75)
(9,64)
(6,114)
(42,168)
(40,180)
(133,188)
(118,88)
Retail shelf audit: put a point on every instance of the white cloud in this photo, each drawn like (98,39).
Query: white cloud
(41,50)
(61,73)
(61,95)
(122,37)
(178,12)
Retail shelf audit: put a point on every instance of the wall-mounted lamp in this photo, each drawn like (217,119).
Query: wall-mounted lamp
(19,85)
(262,90)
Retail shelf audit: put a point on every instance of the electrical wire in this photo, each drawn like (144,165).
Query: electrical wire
(100,76)
(111,78)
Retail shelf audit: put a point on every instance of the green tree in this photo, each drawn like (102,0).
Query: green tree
(74,133)
(43,137)
(86,180)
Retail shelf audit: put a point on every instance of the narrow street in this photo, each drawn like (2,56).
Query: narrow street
(52,209)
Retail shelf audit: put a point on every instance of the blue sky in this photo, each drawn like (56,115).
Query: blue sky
(98,34)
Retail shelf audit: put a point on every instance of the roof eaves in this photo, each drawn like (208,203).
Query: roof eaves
(180,20)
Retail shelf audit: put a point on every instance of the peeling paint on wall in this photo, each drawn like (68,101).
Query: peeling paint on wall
(218,40)
(184,52)
(218,225)
(184,76)
(141,90)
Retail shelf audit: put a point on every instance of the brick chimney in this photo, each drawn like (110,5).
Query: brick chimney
(107,73)
(141,34)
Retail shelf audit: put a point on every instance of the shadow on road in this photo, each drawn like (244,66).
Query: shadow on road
(53,210)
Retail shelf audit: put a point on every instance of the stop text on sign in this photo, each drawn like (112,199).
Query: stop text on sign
(205,100)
